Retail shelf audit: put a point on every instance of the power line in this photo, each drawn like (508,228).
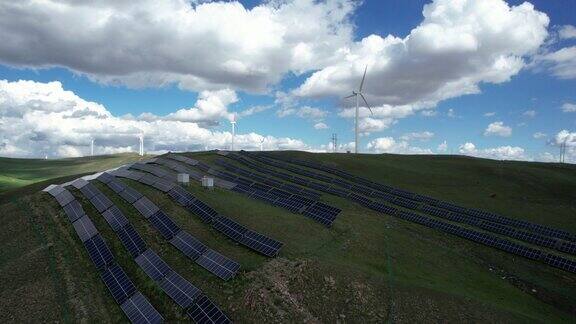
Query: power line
(334,142)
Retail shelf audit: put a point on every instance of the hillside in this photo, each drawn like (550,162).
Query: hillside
(18,173)
(368,267)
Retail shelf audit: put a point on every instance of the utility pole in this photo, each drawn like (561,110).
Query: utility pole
(334,142)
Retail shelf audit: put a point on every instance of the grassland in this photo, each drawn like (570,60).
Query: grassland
(367,268)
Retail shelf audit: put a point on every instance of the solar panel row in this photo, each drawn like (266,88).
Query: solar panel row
(133,304)
(537,228)
(444,210)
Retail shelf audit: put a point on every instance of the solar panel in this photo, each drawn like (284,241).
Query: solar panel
(74,210)
(64,198)
(568,247)
(290,204)
(380,207)
(205,311)
(218,264)
(118,283)
(79,183)
(99,252)
(130,195)
(148,179)
(153,265)
(116,185)
(135,175)
(261,243)
(164,224)
(89,191)
(205,212)
(56,190)
(560,262)
(145,207)
(181,195)
(188,245)
(105,177)
(84,228)
(229,227)
(115,218)
(131,240)
(122,172)
(360,199)
(179,289)
(139,310)
(101,202)
(163,185)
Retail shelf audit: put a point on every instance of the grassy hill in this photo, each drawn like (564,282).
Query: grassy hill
(18,173)
(368,267)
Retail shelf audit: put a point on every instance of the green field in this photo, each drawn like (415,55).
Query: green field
(368,267)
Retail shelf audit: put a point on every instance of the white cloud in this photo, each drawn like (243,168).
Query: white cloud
(567,32)
(561,63)
(451,113)
(429,113)
(390,145)
(420,136)
(569,107)
(203,46)
(529,113)
(565,136)
(489,114)
(498,129)
(320,126)
(539,135)
(457,46)
(44,119)
(499,153)
(253,110)
(443,147)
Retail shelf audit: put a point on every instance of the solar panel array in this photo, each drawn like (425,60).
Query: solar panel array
(504,244)
(401,198)
(278,194)
(166,227)
(174,285)
(537,228)
(132,302)
(259,242)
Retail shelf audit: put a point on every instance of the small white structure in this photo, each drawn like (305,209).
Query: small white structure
(184,178)
(208,182)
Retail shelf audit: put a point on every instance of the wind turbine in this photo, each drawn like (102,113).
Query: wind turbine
(233,122)
(262,144)
(359,94)
(92,147)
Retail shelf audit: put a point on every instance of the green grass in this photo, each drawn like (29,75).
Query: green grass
(367,268)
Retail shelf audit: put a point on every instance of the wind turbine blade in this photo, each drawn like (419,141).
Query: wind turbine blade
(350,96)
(367,105)
(364,77)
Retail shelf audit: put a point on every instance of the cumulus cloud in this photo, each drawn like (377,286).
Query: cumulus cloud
(539,135)
(420,136)
(443,147)
(457,46)
(199,46)
(529,113)
(489,114)
(498,153)
(498,129)
(390,145)
(561,63)
(320,126)
(569,107)
(41,119)
(567,32)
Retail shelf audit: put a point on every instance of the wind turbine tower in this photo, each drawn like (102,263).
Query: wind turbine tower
(141,150)
(358,94)
(233,122)
(262,144)
(92,147)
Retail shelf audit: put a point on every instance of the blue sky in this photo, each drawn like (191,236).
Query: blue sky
(529,106)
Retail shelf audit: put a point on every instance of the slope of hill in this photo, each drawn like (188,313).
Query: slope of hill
(17,173)
(369,267)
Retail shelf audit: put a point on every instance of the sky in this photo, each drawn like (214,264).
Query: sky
(486,78)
